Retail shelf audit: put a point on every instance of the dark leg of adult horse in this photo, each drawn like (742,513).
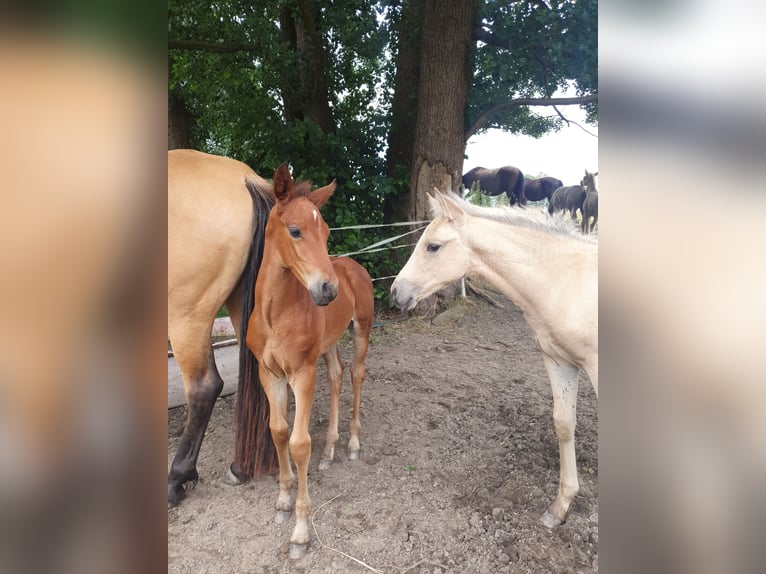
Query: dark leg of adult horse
(201,390)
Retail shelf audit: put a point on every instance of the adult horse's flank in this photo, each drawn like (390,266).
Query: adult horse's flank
(568,198)
(590,203)
(303,303)
(541,188)
(508,180)
(217,211)
(544,266)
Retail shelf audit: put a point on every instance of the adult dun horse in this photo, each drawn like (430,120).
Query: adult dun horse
(217,211)
(544,266)
(541,188)
(508,180)
(590,203)
(304,301)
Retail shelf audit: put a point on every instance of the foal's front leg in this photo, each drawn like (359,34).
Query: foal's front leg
(276,391)
(300,449)
(563,379)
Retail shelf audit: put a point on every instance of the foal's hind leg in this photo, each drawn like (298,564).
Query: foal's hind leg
(563,380)
(360,331)
(335,381)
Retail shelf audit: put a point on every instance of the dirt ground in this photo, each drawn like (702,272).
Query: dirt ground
(459,461)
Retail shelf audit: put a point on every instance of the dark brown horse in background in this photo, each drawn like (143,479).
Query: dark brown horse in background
(541,188)
(569,198)
(508,180)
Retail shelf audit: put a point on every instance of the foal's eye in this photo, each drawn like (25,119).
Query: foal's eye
(295,233)
(433,247)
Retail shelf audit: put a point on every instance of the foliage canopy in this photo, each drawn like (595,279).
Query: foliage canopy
(312,83)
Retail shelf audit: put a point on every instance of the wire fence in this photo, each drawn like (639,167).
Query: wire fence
(382,245)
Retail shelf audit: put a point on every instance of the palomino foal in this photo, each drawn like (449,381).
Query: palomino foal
(303,303)
(549,271)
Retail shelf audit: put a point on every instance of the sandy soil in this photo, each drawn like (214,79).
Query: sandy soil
(459,461)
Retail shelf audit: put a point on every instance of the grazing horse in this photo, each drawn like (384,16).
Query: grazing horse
(304,301)
(544,266)
(217,211)
(541,188)
(590,204)
(568,198)
(508,180)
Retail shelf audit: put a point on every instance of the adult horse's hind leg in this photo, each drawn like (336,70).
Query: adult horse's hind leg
(335,381)
(360,330)
(202,385)
(563,380)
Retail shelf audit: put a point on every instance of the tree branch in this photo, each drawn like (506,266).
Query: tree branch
(210,46)
(487,115)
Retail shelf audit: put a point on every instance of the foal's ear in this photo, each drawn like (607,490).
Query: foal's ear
(450,208)
(282,182)
(320,196)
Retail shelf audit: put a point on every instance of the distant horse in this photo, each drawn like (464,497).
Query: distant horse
(590,204)
(504,247)
(568,198)
(508,180)
(304,301)
(541,188)
(217,211)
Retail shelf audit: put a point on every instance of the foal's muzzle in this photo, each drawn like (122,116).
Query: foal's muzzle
(323,292)
(402,295)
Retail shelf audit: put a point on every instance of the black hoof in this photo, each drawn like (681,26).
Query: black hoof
(235,476)
(179,485)
(176,493)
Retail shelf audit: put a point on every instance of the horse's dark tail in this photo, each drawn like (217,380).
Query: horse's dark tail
(518,189)
(254,451)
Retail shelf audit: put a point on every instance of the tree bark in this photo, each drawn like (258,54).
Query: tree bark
(404,108)
(179,118)
(305,94)
(442,91)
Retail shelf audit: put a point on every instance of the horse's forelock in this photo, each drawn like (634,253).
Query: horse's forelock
(301,189)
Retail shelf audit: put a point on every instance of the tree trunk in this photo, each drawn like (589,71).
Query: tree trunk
(404,107)
(179,118)
(305,94)
(442,91)
(179,123)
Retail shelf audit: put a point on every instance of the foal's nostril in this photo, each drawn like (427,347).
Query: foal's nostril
(329,290)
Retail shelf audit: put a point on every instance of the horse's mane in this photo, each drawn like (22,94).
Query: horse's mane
(557,224)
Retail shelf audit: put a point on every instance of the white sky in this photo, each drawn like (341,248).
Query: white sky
(565,154)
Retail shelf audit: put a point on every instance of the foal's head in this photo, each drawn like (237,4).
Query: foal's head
(440,257)
(299,235)
(589,181)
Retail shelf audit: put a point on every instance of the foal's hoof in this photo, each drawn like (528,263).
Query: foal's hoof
(281,516)
(353,455)
(298,551)
(550,520)
(324,464)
